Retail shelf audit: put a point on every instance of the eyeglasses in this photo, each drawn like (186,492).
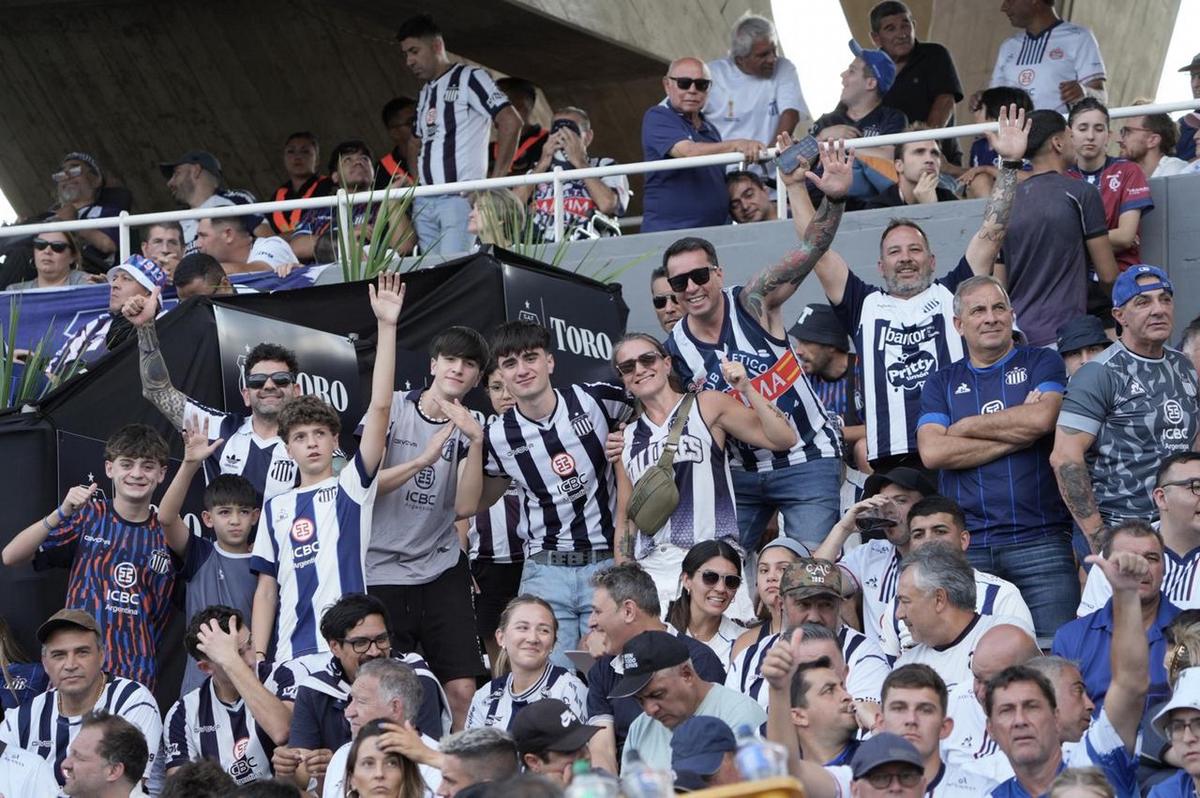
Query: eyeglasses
(660,300)
(55,246)
(1175,728)
(881,781)
(361,645)
(65,174)
(645,360)
(698,276)
(1191,484)
(281,379)
(710,578)
(701,84)
(1127,129)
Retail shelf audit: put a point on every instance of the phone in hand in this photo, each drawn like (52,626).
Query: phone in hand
(806,148)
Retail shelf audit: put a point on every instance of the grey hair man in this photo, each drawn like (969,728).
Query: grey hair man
(476,756)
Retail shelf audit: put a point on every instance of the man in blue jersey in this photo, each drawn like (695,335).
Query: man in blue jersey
(745,324)
(902,330)
(987,422)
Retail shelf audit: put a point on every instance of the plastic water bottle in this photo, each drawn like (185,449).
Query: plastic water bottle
(757,758)
(639,780)
(587,783)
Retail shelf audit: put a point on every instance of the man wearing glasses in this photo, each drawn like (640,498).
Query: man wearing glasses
(666,306)
(78,185)
(685,198)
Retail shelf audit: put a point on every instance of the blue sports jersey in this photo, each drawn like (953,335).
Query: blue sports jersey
(22,680)
(264,462)
(1013,499)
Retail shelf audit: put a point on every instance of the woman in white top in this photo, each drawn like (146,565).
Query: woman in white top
(526,635)
(712,574)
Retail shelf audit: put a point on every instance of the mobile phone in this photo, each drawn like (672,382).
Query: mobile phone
(806,148)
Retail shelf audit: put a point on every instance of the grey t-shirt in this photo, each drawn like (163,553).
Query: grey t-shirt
(1045,251)
(413,540)
(213,577)
(1140,410)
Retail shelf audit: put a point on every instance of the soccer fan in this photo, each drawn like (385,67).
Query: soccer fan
(749,199)
(396,166)
(200,275)
(25,773)
(710,578)
(1056,61)
(1056,220)
(231,240)
(823,722)
(525,674)
(1081,340)
(902,331)
(237,715)
(1112,418)
(200,779)
(415,564)
(1179,722)
(476,756)
(73,654)
(986,424)
(584,201)
(679,128)
(666,307)
(918,172)
(1148,141)
(311,542)
(702,754)
(107,758)
(80,193)
(550,739)
(163,244)
(531,141)
(456,109)
(1189,124)
(57,261)
(926,85)
(121,569)
(823,349)
(744,324)
(983,162)
(860,106)
(301,154)
(195,180)
(251,446)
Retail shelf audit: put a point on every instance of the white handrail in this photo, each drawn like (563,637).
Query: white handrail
(557,177)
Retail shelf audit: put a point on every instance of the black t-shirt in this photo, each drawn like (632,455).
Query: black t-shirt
(882,120)
(928,73)
(891,198)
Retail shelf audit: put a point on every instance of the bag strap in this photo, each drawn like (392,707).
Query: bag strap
(685,409)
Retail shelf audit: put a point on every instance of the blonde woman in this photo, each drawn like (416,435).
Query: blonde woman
(497,217)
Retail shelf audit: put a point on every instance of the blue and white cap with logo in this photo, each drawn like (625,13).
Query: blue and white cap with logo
(147,273)
(880,63)
(1127,286)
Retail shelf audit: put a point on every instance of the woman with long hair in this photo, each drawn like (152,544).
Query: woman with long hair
(56,257)
(524,673)
(22,679)
(497,217)
(374,769)
(707,508)
(712,574)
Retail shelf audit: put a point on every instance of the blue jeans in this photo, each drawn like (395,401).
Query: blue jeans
(1045,573)
(806,495)
(568,589)
(441,224)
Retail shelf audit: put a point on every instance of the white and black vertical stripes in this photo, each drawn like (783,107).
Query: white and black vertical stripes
(454,114)
(495,533)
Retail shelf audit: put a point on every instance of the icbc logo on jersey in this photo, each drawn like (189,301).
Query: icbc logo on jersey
(563,464)
(302,529)
(125,576)
(1026,77)
(243,766)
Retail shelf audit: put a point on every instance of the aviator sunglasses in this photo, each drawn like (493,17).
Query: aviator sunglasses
(701,84)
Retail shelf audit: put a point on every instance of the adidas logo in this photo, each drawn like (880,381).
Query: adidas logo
(962,388)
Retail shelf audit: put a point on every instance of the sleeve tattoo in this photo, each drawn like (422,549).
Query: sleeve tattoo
(1076,484)
(156,380)
(998,210)
(797,264)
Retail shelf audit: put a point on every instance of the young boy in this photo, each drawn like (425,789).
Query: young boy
(312,540)
(121,570)
(215,573)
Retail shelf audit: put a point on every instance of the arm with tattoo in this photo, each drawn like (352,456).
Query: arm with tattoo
(156,380)
(1010,142)
(1075,480)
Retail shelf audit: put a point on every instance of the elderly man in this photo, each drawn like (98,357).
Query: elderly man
(230,239)
(666,306)
(658,673)
(749,199)
(1127,409)
(985,423)
(80,194)
(195,180)
(107,759)
(163,244)
(918,169)
(550,739)
(476,756)
(685,198)
(1080,340)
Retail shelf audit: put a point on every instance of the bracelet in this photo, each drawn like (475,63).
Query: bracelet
(1012,164)
(46,524)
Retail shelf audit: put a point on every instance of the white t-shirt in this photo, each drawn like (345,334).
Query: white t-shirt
(742,106)
(875,566)
(1064,51)
(1170,165)
(273,251)
(953,661)
(189,225)
(25,773)
(335,774)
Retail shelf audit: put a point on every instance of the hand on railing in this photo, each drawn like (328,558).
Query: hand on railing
(751,150)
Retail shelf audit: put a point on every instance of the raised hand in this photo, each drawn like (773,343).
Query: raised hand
(1013,137)
(77,497)
(141,310)
(464,419)
(196,448)
(838,163)
(1124,569)
(872,506)
(406,741)
(782,661)
(388,299)
(734,374)
(433,449)
(795,176)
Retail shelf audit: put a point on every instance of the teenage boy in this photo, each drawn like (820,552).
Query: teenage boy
(121,570)
(312,540)
(215,573)
(415,562)
(551,445)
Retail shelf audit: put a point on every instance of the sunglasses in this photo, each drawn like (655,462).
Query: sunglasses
(645,360)
(698,276)
(710,578)
(701,84)
(69,172)
(660,300)
(281,379)
(881,781)
(55,246)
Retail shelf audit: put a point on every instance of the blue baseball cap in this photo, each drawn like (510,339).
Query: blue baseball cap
(879,62)
(1127,285)
(699,744)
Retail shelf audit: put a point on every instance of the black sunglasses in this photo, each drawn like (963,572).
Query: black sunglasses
(645,360)
(698,276)
(710,578)
(661,300)
(282,379)
(55,246)
(701,84)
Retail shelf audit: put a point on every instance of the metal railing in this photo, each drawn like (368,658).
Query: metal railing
(344,201)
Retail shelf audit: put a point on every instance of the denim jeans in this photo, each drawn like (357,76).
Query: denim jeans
(806,495)
(441,224)
(568,589)
(1045,573)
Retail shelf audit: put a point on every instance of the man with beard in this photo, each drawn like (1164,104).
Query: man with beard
(196,181)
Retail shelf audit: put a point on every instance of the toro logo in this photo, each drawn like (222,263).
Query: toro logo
(910,373)
(994,406)
(563,464)
(302,529)
(581,340)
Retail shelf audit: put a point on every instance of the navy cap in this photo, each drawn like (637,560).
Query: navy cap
(645,655)
(1080,333)
(820,325)
(205,160)
(880,64)
(1127,286)
(884,749)
(699,744)
(905,477)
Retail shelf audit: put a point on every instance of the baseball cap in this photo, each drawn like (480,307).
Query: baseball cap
(883,749)
(1186,695)
(811,576)
(880,64)
(645,655)
(819,324)
(86,158)
(147,273)
(1081,332)
(205,160)
(549,725)
(1127,286)
(67,618)
(699,744)
(902,476)
(1194,65)
(784,542)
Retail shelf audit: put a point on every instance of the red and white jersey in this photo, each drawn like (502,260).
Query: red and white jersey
(1123,187)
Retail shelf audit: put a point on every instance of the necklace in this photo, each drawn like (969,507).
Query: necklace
(87,706)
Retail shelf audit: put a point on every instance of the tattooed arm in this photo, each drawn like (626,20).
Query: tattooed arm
(1075,479)
(156,380)
(1010,143)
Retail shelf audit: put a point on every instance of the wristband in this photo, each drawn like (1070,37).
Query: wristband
(46,524)
(1012,165)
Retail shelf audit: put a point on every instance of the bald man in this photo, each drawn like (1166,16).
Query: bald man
(686,198)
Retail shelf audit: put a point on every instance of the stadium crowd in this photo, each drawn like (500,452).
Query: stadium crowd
(903,542)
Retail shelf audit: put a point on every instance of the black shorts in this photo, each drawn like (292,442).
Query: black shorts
(498,584)
(435,620)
